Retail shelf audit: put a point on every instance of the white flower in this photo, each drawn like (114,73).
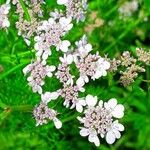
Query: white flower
(83,47)
(49,34)
(57,123)
(102,67)
(116,110)
(63,46)
(127,8)
(114,132)
(67,59)
(66,23)
(48,96)
(4,10)
(42,114)
(70,95)
(92,66)
(82,80)
(80,104)
(92,135)
(75,9)
(38,71)
(99,120)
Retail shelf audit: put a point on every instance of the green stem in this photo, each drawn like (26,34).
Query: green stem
(25,10)
(122,35)
(148,79)
(24,108)
(11,70)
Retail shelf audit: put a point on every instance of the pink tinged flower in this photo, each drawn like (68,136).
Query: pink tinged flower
(37,72)
(42,114)
(4,10)
(70,95)
(98,121)
(66,23)
(114,133)
(102,67)
(83,47)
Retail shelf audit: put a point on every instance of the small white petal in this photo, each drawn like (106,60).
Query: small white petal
(51,21)
(69,59)
(39,53)
(64,46)
(80,119)
(27,42)
(88,47)
(118,126)
(97,74)
(29,78)
(82,102)
(54,95)
(100,103)
(26,69)
(106,65)
(36,46)
(58,123)
(112,103)
(84,132)
(118,111)
(110,137)
(45,55)
(39,90)
(80,81)
(86,79)
(94,139)
(117,134)
(90,100)
(79,107)
(49,74)
(51,68)
(61,2)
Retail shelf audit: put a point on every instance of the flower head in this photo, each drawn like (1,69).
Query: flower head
(83,47)
(70,95)
(49,34)
(42,114)
(38,71)
(4,10)
(98,120)
(92,66)
(63,72)
(75,8)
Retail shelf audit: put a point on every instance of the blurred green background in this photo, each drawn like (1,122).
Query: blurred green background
(110,33)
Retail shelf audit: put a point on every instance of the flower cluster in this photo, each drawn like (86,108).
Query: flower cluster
(127,8)
(143,56)
(129,66)
(4,10)
(49,33)
(38,71)
(75,8)
(28,22)
(98,120)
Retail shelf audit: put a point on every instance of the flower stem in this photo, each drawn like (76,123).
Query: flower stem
(25,10)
